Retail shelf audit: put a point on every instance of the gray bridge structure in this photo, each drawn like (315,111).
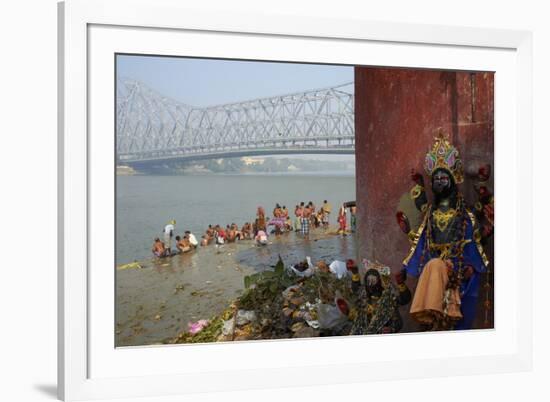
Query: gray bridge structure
(154,129)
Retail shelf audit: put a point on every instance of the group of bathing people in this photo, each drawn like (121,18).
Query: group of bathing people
(183,244)
(214,234)
(306,216)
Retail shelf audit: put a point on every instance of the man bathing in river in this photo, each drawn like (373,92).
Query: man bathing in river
(260,219)
(238,233)
(246,231)
(210,234)
(158,248)
(313,215)
(183,245)
(284,212)
(219,235)
(288,224)
(231,234)
(168,234)
(192,239)
(298,213)
(326,208)
(306,216)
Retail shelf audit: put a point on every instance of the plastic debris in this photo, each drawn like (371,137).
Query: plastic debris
(304,269)
(228,327)
(330,316)
(338,268)
(131,265)
(244,317)
(279,303)
(196,327)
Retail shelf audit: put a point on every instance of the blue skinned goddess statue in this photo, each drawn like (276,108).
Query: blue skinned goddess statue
(446,253)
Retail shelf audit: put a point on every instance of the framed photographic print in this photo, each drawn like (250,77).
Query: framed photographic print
(298,200)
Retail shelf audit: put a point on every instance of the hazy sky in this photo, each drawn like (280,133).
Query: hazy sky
(207,82)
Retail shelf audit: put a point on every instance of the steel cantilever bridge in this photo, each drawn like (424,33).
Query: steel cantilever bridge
(154,129)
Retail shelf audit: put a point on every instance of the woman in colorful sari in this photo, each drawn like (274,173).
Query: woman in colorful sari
(342,220)
(278,220)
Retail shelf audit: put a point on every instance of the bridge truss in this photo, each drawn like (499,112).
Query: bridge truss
(152,127)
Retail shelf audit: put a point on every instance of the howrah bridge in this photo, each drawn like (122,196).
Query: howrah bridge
(154,129)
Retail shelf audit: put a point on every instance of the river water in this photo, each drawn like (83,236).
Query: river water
(157,300)
(145,204)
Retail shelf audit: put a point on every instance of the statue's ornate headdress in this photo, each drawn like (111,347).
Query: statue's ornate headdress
(383,270)
(444,155)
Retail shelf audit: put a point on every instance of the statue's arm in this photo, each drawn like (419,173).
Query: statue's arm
(404,294)
(484,207)
(473,253)
(405,225)
(418,192)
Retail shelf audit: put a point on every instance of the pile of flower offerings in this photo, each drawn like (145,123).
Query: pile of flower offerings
(299,301)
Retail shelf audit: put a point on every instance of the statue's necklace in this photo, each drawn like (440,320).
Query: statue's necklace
(443,218)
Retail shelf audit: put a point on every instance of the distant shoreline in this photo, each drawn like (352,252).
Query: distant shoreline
(245,166)
(335,173)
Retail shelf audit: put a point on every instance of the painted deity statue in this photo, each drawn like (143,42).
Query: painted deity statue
(446,251)
(379,300)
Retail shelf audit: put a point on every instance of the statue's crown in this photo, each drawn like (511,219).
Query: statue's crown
(382,269)
(444,155)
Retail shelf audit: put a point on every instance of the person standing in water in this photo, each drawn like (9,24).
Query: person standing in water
(306,216)
(353,218)
(298,214)
(342,220)
(326,208)
(168,234)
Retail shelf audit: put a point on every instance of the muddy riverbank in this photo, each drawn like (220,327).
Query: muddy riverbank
(157,298)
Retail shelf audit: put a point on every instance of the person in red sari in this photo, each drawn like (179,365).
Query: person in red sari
(342,220)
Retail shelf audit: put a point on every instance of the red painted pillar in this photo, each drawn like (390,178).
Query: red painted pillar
(398,112)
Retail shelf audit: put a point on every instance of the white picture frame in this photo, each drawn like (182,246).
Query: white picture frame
(92,31)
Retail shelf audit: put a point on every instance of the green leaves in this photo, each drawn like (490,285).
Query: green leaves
(280,266)
(278,275)
(250,280)
(263,287)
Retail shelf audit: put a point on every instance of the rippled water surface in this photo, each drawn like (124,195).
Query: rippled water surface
(146,203)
